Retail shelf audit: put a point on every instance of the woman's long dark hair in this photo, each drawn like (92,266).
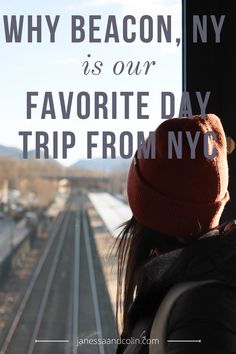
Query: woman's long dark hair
(135,245)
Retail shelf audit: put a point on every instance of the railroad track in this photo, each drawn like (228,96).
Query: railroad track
(65,309)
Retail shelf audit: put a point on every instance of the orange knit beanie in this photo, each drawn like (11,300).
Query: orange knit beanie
(181,197)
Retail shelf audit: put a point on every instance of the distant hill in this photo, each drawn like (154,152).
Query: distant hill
(96,164)
(10,152)
(16,153)
(105,165)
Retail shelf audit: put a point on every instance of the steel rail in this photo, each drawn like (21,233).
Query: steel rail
(93,282)
(31,286)
(48,287)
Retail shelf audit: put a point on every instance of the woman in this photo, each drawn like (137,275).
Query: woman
(174,237)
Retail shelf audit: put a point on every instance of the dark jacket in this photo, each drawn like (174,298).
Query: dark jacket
(207,313)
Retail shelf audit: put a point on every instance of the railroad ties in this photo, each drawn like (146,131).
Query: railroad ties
(65,308)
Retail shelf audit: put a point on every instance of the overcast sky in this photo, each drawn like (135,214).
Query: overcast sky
(58,67)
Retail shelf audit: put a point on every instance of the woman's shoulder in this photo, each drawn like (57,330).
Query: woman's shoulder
(213,256)
(209,258)
(206,313)
(212,302)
